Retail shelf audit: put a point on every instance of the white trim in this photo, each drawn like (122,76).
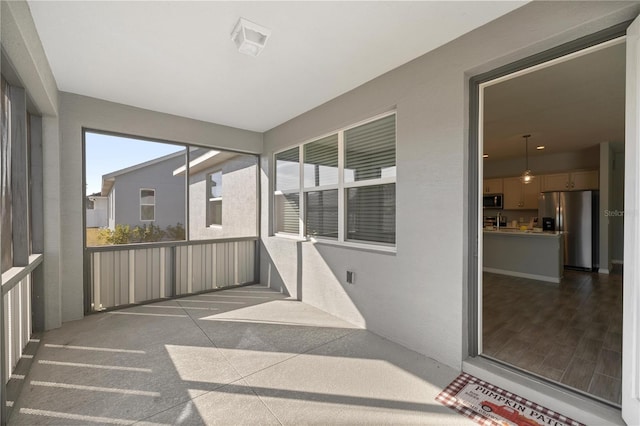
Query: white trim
(162,272)
(320,188)
(97,306)
(147,204)
(370,182)
(189,269)
(556,61)
(209,199)
(301,202)
(522,275)
(286,192)
(235,263)
(342,199)
(630,398)
(132,276)
(354,244)
(289,236)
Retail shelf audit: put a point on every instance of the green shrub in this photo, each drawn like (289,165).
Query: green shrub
(120,235)
(175,233)
(148,233)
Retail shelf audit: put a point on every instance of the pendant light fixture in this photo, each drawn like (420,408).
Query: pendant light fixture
(527,176)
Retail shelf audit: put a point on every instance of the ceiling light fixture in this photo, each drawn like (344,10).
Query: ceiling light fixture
(527,176)
(250,38)
(540,147)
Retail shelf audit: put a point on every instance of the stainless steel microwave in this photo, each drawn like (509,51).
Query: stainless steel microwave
(492,201)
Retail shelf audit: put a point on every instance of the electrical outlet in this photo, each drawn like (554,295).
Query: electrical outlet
(351,277)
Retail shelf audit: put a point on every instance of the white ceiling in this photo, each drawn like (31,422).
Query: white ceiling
(177,57)
(565,107)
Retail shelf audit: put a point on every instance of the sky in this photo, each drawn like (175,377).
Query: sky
(106,154)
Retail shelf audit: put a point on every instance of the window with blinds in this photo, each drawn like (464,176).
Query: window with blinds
(347,186)
(321,187)
(370,150)
(287,192)
(369,175)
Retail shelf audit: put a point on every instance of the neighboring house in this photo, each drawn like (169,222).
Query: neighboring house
(147,193)
(222,201)
(96,212)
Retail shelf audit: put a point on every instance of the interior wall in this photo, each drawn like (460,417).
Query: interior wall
(416,297)
(604,228)
(77,112)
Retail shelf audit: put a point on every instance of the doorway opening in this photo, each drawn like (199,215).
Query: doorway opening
(550,227)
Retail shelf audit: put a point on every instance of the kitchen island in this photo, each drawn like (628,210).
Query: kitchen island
(527,254)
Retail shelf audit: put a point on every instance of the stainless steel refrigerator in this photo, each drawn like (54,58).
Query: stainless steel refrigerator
(575,214)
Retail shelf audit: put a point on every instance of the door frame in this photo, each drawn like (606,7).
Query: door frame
(474,217)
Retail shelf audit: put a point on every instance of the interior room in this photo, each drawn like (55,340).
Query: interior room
(552,280)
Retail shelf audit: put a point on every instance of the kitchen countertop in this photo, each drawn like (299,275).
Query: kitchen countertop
(527,254)
(519,233)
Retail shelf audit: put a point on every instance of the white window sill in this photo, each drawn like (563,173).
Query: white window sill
(294,237)
(214,226)
(355,245)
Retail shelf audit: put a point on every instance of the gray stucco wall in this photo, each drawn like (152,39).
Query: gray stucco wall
(77,112)
(22,47)
(170,200)
(417,297)
(239,200)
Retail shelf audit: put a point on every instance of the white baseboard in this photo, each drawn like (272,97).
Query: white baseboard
(523,275)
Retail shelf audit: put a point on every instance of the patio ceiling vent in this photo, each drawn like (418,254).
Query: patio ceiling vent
(250,38)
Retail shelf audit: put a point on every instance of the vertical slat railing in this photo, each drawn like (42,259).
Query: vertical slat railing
(17,315)
(126,275)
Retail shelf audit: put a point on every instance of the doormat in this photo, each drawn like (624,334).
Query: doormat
(489,405)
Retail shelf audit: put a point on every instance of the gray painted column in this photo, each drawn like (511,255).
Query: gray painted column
(37,220)
(52,234)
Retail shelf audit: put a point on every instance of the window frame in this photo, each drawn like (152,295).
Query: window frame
(147,204)
(209,199)
(342,186)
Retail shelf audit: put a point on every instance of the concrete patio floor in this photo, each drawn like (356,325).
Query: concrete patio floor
(246,355)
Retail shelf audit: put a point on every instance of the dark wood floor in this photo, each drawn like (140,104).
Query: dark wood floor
(570,333)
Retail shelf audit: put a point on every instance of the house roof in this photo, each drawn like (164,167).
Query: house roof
(205,161)
(109,179)
(317,51)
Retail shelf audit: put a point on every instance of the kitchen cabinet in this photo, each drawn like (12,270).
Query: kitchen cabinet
(518,196)
(585,180)
(492,186)
(571,181)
